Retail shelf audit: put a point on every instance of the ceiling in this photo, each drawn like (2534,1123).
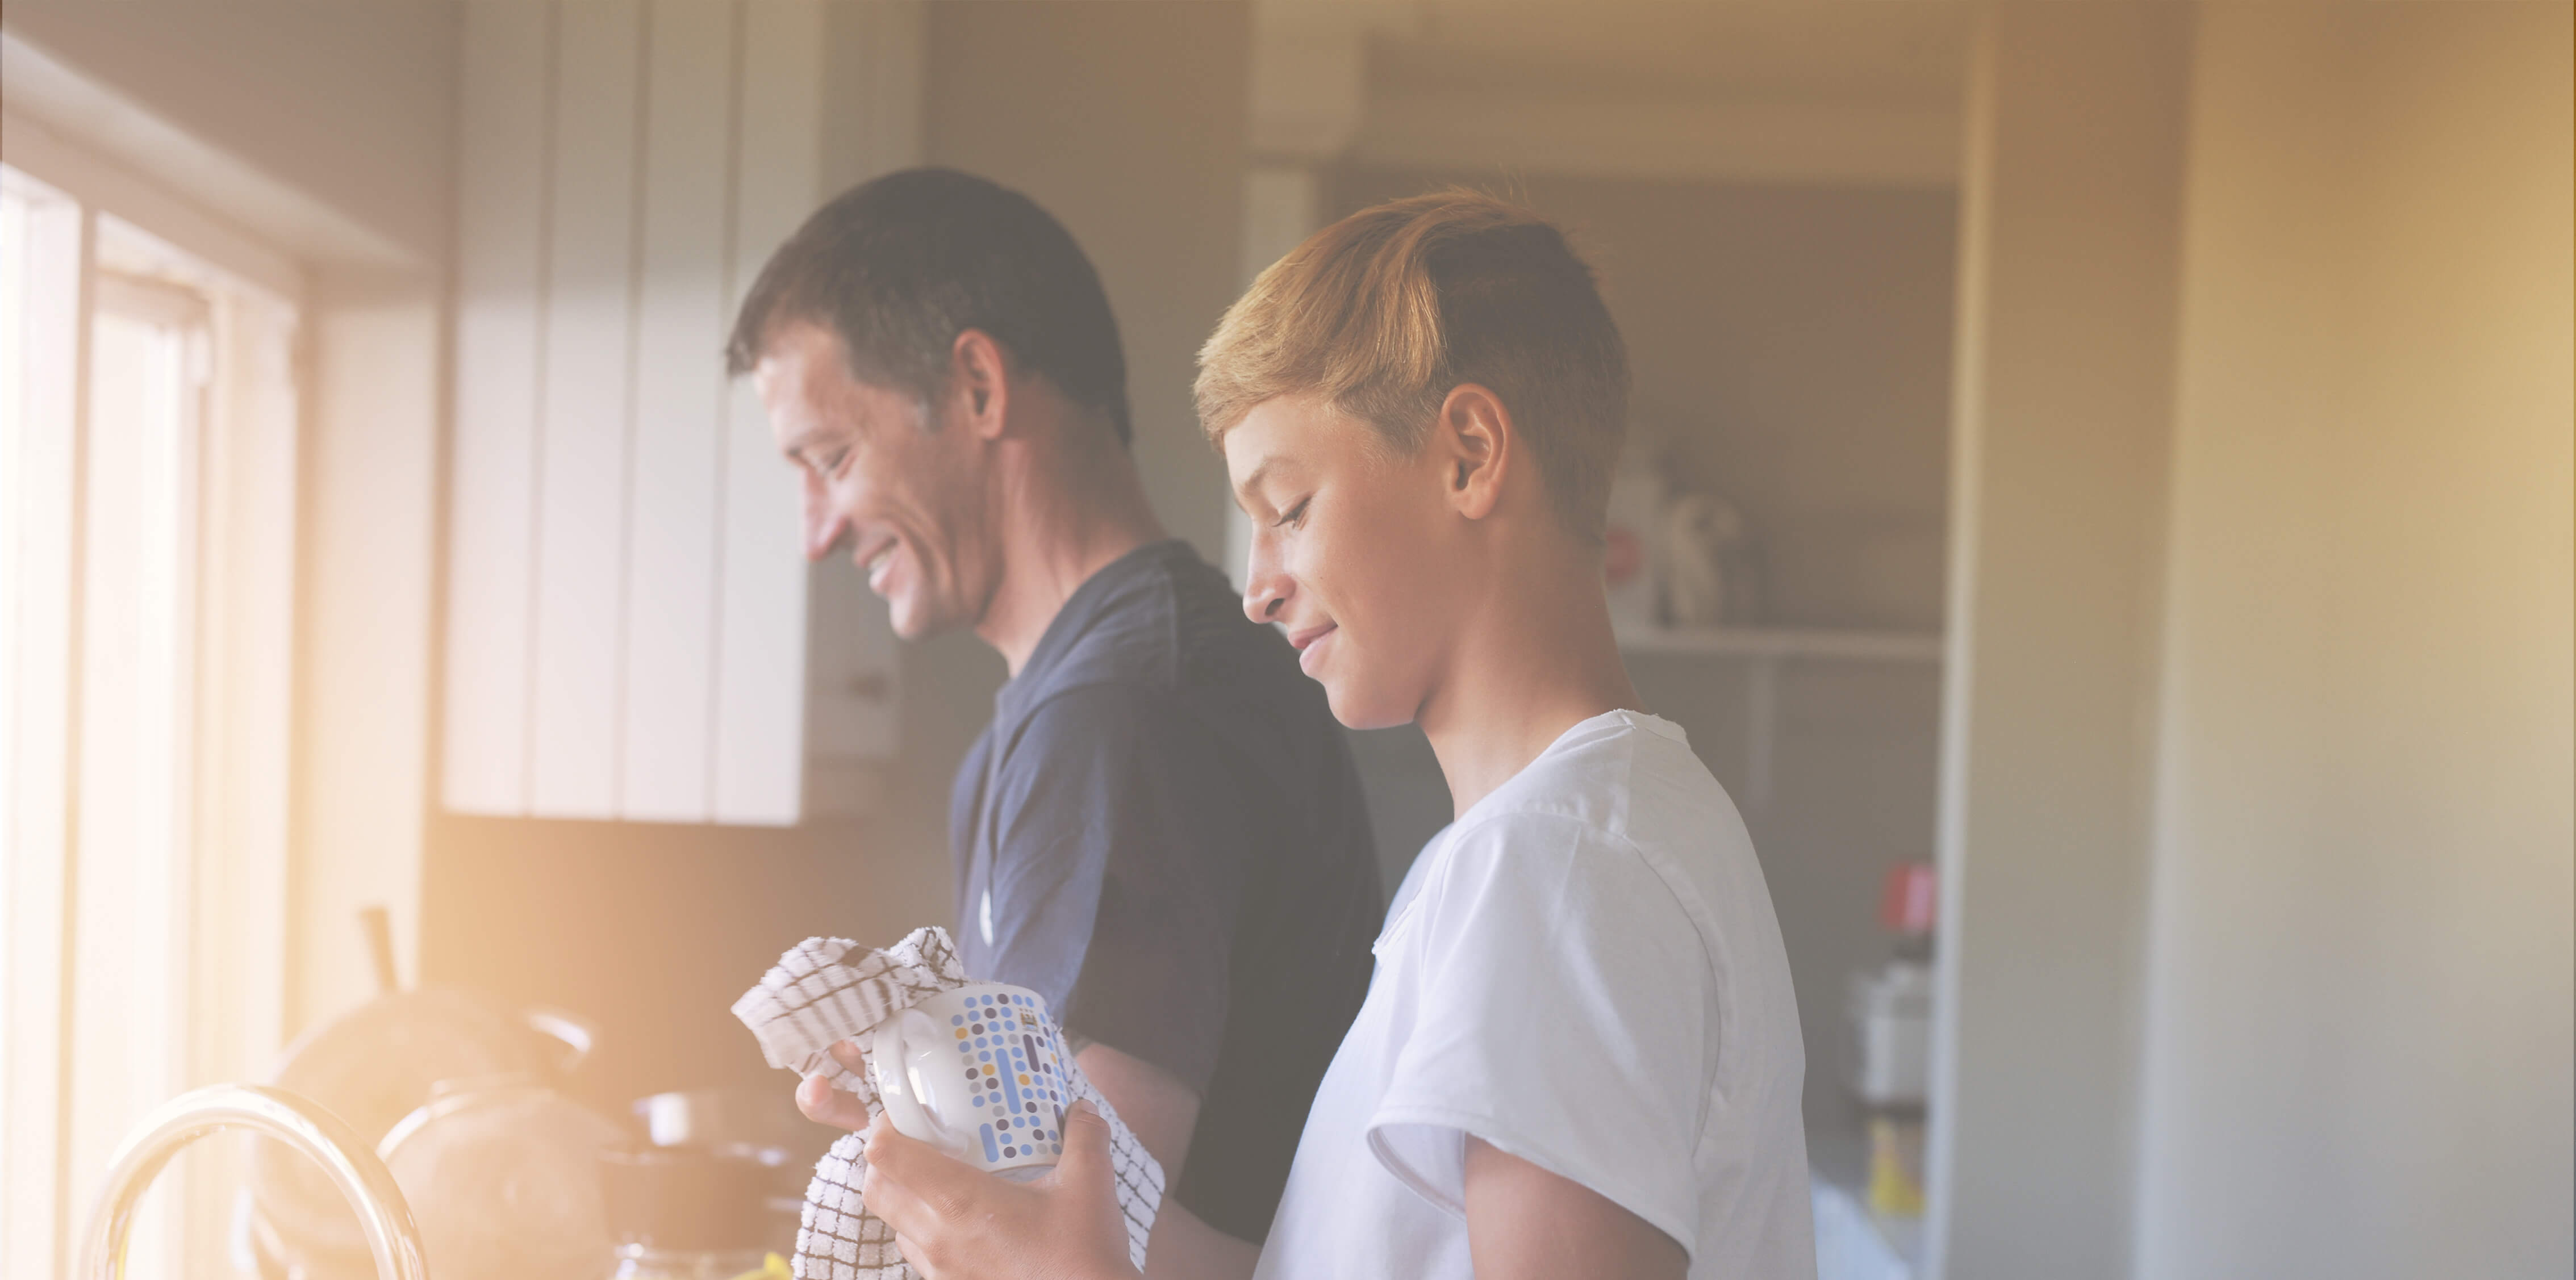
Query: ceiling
(1827,91)
(1882,52)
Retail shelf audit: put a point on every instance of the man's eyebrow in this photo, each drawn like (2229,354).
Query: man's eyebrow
(795,449)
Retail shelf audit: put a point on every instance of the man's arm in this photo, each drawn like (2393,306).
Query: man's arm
(1524,1222)
(1163,1112)
(1158,1108)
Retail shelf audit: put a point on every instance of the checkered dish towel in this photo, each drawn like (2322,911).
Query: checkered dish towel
(826,990)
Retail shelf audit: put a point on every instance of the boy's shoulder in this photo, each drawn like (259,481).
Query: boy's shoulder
(1628,775)
(1616,807)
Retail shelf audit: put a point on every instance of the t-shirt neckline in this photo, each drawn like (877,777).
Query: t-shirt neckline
(1621,716)
(1080,610)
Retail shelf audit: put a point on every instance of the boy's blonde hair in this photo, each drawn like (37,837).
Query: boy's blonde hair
(1384,312)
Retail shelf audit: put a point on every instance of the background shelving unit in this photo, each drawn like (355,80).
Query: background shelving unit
(1764,650)
(1786,642)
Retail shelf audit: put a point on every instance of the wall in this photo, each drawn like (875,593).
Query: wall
(365,537)
(2068,229)
(1125,120)
(350,104)
(2358,1055)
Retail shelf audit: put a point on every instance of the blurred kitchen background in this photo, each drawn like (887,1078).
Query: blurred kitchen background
(2101,501)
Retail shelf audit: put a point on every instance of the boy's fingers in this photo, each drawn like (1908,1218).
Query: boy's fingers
(915,1178)
(1086,1134)
(846,1052)
(914,1255)
(1086,1144)
(882,1188)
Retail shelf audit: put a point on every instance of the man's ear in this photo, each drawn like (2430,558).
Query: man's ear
(979,383)
(1477,445)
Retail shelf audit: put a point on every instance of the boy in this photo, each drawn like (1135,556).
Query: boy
(1580,1053)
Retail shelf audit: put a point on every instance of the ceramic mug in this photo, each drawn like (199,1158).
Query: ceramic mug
(980,1072)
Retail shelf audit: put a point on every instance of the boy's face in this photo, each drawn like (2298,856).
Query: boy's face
(909,501)
(1353,554)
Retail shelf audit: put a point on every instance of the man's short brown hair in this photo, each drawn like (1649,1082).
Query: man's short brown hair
(1384,312)
(901,264)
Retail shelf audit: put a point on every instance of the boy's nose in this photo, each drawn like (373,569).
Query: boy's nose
(1265,589)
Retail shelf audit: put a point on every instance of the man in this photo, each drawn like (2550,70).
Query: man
(1161,831)
(1580,1053)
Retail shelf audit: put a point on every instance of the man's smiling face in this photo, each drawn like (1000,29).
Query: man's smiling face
(909,501)
(1349,552)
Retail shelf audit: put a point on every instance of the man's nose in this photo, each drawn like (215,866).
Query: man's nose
(823,525)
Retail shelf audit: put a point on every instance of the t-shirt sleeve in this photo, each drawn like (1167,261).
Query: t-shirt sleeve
(1123,847)
(1562,1018)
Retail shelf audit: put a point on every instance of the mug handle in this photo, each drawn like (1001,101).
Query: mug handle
(890,1051)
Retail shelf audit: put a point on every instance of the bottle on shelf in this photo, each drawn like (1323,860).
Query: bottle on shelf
(1890,1012)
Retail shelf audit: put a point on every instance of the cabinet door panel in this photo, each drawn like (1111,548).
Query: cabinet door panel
(582,462)
(680,407)
(501,184)
(760,704)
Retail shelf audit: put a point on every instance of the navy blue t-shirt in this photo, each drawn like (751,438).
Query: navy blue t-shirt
(1163,834)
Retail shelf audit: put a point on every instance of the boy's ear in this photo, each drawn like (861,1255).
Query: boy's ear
(1475,440)
(979,383)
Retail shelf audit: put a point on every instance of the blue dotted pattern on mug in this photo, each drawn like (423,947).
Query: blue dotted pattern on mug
(1014,1061)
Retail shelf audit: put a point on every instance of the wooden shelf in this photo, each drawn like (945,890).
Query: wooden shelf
(1786,642)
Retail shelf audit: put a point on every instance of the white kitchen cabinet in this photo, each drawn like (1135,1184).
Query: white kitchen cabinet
(627,606)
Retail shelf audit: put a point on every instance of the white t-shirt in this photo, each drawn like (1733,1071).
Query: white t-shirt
(1584,971)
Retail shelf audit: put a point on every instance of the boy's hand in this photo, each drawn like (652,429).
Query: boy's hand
(824,1104)
(953,1220)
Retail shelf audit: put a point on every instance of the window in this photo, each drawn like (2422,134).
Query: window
(146,519)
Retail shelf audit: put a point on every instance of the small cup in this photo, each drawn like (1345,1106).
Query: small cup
(980,1072)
